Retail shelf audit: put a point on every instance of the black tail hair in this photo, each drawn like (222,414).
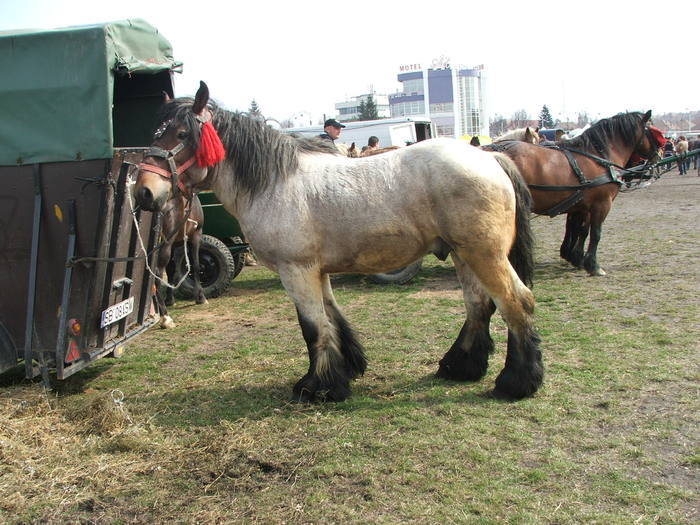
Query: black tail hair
(521,253)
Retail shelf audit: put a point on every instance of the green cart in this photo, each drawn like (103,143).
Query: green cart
(221,252)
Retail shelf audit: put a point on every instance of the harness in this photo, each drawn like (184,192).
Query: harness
(169,155)
(610,176)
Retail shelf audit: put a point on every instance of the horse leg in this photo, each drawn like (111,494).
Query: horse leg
(467,359)
(523,371)
(328,378)
(353,353)
(163,262)
(169,292)
(580,235)
(590,261)
(569,241)
(197,290)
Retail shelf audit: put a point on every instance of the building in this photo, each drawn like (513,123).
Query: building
(350,109)
(453,98)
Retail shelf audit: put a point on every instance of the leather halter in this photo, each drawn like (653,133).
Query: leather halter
(169,155)
(175,171)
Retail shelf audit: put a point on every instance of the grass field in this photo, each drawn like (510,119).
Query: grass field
(193,425)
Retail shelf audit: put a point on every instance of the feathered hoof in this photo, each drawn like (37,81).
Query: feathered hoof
(524,383)
(167,322)
(310,389)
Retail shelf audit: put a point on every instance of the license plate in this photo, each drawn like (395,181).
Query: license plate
(116,312)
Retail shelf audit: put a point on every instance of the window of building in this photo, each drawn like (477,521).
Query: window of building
(413,86)
(416,107)
(445,131)
(444,107)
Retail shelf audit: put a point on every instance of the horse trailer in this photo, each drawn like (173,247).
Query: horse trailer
(77,108)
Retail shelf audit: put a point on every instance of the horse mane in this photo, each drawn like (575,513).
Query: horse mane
(597,138)
(513,134)
(258,154)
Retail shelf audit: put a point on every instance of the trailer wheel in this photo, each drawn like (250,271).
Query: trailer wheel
(398,276)
(217,268)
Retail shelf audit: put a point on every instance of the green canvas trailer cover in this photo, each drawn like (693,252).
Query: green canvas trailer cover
(57,89)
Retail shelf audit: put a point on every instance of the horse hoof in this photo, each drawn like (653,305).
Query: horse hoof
(202,301)
(167,322)
(598,273)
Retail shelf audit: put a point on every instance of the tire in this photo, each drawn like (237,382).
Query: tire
(398,276)
(217,268)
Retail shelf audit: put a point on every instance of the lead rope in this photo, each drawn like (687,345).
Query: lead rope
(130,184)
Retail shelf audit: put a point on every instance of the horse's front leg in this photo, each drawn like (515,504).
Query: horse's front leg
(163,259)
(197,290)
(569,241)
(580,235)
(590,260)
(467,359)
(328,377)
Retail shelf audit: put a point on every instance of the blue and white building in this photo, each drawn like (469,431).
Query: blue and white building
(454,98)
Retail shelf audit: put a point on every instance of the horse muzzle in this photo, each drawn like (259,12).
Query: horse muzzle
(148,201)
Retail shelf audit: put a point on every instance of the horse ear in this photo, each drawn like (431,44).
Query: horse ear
(200,99)
(647,116)
(166,97)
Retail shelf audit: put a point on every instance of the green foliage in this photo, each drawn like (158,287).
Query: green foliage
(368,109)
(546,120)
(254,111)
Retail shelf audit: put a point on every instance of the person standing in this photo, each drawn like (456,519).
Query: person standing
(331,130)
(682,152)
(372,144)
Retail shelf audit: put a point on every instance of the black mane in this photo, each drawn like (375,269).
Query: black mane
(257,153)
(597,138)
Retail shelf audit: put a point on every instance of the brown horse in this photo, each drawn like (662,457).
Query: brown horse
(579,177)
(179,219)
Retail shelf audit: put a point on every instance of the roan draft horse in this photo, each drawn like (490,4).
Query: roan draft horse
(579,177)
(310,214)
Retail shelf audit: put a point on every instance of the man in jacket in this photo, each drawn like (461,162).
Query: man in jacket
(331,130)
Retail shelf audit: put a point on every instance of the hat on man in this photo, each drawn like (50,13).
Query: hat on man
(334,123)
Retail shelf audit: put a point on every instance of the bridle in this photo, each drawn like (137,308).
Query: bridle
(169,155)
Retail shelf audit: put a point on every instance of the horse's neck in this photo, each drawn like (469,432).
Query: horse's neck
(619,152)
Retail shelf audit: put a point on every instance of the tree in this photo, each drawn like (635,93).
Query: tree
(368,109)
(520,119)
(498,126)
(546,120)
(582,119)
(254,111)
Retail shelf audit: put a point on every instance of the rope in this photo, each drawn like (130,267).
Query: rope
(130,183)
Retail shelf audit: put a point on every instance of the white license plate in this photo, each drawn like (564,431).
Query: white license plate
(116,312)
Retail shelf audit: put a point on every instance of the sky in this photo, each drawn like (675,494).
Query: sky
(597,57)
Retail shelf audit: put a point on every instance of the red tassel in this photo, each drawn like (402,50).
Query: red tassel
(211,150)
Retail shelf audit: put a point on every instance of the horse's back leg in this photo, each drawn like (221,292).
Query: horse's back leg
(467,359)
(328,377)
(523,371)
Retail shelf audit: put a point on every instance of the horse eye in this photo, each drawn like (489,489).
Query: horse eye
(182,135)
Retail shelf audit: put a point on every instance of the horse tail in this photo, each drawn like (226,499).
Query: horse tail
(521,253)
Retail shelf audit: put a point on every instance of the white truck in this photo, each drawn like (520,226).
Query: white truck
(390,132)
